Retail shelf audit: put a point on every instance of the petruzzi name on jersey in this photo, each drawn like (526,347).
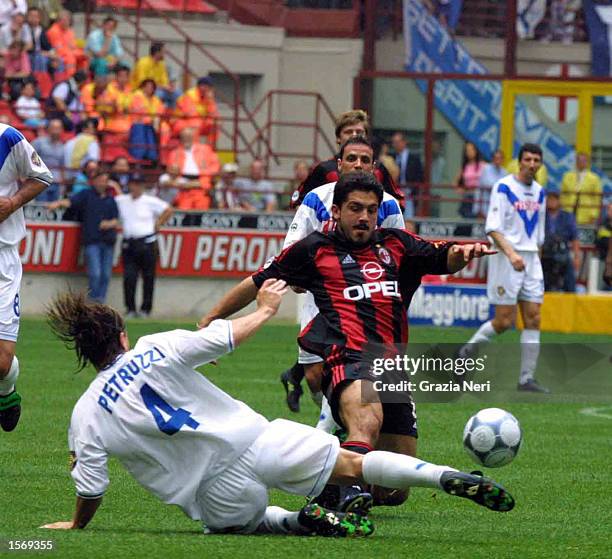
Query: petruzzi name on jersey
(119,381)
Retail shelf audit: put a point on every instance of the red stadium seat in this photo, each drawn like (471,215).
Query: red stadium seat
(45,83)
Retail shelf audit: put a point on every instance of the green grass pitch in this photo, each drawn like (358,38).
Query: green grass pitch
(561,479)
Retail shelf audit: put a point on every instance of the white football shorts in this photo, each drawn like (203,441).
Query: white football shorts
(506,286)
(10,281)
(309,311)
(289,456)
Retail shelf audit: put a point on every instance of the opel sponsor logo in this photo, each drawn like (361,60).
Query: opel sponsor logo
(365,291)
(372,270)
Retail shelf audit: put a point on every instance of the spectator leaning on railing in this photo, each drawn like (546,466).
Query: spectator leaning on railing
(198,163)
(255,192)
(98,214)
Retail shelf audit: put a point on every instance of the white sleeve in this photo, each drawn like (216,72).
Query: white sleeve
(89,466)
(304,222)
(194,348)
(495,215)
(393,218)
(28,163)
(61,91)
(158,205)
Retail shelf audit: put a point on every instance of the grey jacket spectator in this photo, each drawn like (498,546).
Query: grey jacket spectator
(255,192)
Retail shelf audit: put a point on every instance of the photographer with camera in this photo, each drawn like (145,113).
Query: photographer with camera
(561,248)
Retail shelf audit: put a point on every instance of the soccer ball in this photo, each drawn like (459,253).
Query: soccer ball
(492,437)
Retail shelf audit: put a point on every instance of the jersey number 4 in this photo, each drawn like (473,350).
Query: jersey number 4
(177,417)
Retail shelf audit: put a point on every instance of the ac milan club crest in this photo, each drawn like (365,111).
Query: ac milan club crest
(384,256)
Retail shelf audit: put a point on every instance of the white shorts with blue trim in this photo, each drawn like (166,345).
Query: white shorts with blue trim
(289,456)
(10,281)
(506,286)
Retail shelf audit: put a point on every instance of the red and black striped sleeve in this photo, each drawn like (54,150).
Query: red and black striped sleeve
(421,257)
(293,265)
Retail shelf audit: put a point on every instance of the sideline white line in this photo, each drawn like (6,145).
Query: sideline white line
(598,412)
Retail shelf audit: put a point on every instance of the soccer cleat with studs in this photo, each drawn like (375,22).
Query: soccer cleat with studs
(10,410)
(482,490)
(320,521)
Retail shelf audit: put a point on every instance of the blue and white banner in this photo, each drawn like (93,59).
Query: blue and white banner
(599,24)
(450,305)
(474,107)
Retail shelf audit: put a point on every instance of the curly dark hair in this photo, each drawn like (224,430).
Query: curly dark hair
(91,329)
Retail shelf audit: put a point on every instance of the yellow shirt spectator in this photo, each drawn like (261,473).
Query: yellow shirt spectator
(148,68)
(541,176)
(581,194)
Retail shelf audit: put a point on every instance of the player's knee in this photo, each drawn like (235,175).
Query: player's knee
(502,323)
(532,320)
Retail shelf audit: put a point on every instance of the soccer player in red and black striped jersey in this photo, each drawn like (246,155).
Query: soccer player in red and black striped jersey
(363,280)
(348,125)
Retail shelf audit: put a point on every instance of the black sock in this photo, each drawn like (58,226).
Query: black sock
(296,373)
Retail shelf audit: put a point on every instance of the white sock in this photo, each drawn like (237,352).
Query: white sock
(7,384)
(326,421)
(530,351)
(483,334)
(399,471)
(277,520)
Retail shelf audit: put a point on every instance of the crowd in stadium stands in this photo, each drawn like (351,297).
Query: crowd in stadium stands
(84,107)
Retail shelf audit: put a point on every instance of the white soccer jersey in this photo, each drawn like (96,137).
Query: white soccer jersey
(18,161)
(170,427)
(314,214)
(518,212)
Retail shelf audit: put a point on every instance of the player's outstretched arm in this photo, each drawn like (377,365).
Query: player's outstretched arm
(460,255)
(84,512)
(233,301)
(268,301)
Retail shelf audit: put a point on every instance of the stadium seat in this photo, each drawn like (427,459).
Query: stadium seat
(45,83)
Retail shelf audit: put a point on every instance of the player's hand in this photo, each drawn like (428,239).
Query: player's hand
(6,207)
(471,251)
(59,526)
(270,294)
(517,262)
